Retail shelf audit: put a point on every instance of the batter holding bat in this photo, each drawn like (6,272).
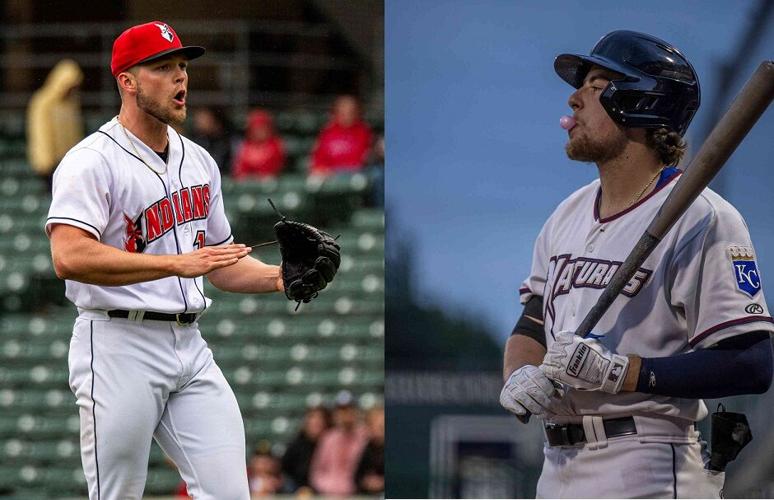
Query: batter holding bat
(620,404)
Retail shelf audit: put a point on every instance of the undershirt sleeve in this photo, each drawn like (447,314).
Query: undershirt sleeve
(738,365)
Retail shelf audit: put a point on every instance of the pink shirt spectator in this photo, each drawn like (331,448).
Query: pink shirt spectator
(336,459)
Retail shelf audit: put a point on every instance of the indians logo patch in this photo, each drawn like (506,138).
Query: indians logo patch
(134,241)
(745,270)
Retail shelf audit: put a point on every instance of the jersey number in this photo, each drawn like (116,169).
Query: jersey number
(199,240)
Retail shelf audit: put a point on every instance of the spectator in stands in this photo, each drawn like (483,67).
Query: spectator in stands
(369,477)
(263,472)
(344,144)
(54,120)
(336,458)
(212,131)
(298,456)
(262,153)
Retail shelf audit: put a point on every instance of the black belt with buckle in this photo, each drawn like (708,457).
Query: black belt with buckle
(573,434)
(180,318)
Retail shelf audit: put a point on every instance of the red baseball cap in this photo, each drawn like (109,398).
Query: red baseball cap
(147,42)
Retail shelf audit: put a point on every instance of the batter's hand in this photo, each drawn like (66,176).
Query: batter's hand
(202,261)
(585,364)
(529,389)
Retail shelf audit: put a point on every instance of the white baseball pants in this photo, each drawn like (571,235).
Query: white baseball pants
(135,381)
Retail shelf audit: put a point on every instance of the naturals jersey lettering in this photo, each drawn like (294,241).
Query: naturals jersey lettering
(699,286)
(140,204)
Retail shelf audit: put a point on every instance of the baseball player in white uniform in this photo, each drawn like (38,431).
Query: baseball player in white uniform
(136,221)
(620,406)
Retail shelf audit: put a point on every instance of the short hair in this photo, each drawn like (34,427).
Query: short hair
(668,145)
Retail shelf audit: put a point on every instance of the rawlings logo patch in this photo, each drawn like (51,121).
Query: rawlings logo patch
(745,270)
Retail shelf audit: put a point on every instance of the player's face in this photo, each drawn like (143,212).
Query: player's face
(161,89)
(595,137)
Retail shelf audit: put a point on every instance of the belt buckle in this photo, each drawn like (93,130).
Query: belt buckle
(180,322)
(564,434)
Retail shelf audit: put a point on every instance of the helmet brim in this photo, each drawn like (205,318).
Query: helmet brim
(573,68)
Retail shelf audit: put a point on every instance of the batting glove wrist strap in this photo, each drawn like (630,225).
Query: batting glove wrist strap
(584,364)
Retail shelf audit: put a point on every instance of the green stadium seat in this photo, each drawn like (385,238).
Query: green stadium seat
(308,123)
(14,168)
(371,219)
(162,481)
(46,427)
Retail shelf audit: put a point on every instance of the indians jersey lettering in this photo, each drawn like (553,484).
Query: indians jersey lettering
(699,286)
(104,188)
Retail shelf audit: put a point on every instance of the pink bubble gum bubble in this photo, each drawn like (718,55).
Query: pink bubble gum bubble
(567,122)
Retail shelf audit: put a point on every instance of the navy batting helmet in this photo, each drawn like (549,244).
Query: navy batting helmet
(659,87)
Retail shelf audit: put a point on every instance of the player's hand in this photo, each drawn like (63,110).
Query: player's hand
(584,364)
(529,389)
(202,261)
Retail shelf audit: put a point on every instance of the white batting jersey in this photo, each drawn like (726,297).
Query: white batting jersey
(700,285)
(102,186)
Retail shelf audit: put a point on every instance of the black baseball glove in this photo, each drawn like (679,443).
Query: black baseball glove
(310,259)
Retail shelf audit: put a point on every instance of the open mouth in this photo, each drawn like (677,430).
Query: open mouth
(180,98)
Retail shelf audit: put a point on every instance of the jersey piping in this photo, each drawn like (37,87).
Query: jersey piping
(659,187)
(166,193)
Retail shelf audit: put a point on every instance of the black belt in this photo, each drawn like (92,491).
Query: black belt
(179,318)
(573,434)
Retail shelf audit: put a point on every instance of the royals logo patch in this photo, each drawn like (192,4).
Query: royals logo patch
(745,270)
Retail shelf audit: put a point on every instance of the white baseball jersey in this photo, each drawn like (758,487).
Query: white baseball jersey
(700,285)
(136,380)
(102,186)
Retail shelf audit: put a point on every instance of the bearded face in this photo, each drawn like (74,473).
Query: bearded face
(595,148)
(157,109)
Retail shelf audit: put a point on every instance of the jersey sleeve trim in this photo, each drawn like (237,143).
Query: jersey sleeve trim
(524,290)
(72,222)
(230,236)
(741,321)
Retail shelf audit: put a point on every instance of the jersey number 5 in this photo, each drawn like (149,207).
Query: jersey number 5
(199,240)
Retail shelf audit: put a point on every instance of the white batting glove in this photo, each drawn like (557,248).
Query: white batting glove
(584,364)
(528,388)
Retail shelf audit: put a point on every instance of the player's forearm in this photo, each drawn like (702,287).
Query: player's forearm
(92,262)
(249,275)
(521,350)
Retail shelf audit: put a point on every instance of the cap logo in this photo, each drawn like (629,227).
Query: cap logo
(168,36)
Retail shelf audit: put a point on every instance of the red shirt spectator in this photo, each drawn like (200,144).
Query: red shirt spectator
(345,142)
(262,154)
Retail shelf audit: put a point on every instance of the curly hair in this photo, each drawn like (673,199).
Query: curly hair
(669,146)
